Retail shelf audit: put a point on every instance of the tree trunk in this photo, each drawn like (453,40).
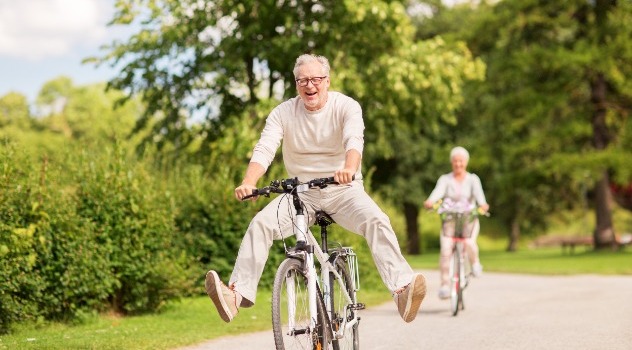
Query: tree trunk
(514,235)
(604,232)
(411,212)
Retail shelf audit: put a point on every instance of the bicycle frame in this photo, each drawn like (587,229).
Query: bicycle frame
(309,248)
(459,258)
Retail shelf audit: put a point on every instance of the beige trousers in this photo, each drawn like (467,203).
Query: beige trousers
(350,206)
(447,244)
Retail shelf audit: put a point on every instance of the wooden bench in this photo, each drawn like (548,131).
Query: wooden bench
(568,243)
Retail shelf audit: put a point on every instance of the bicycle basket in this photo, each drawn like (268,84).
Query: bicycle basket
(459,225)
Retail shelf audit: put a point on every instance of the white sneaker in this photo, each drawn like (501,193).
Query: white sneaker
(444,292)
(409,298)
(477,269)
(226,300)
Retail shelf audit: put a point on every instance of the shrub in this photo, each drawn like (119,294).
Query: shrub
(132,216)
(19,286)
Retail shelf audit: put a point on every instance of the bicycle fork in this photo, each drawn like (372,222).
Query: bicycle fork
(300,231)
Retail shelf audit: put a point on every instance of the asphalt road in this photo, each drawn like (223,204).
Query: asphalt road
(502,311)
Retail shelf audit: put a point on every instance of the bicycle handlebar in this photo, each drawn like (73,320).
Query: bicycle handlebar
(291,185)
(473,211)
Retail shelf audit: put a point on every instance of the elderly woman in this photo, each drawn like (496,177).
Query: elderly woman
(458,186)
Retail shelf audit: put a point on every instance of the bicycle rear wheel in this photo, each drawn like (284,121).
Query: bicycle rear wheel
(290,311)
(456,292)
(340,310)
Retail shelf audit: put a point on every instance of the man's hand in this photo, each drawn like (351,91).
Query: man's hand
(344,176)
(253,173)
(244,190)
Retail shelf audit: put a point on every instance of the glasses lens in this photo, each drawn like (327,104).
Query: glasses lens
(305,81)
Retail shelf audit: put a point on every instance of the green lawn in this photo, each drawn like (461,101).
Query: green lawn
(194,320)
(546,261)
(190,321)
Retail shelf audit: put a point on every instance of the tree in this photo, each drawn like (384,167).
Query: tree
(415,94)
(216,59)
(209,60)
(14,111)
(554,101)
(86,112)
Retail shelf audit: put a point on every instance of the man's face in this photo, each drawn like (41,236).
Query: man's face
(314,96)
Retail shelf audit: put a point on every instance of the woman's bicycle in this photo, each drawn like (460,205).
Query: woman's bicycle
(458,220)
(314,306)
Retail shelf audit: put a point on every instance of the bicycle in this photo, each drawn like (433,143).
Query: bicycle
(311,310)
(457,223)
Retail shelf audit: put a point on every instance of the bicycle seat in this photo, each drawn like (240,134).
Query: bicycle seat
(323,219)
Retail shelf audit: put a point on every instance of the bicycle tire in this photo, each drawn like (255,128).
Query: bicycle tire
(455,281)
(351,340)
(291,271)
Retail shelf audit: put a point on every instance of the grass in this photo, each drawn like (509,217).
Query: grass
(544,261)
(193,320)
(190,321)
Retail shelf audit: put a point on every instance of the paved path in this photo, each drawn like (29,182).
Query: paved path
(503,312)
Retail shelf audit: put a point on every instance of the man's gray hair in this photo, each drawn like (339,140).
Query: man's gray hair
(460,151)
(308,58)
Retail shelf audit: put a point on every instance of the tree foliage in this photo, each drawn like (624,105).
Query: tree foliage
(208,60)
(540,111)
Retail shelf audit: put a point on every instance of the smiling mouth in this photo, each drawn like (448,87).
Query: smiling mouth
(310,93)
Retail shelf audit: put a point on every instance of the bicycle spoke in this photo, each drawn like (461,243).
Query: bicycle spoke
(342,316)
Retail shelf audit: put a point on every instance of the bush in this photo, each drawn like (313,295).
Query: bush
(132,217)
(84,234)
(19,286)
(210,221)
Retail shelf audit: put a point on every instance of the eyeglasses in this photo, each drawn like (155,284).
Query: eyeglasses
(305,81)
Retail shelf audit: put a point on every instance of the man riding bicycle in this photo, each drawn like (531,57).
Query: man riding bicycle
(323,135)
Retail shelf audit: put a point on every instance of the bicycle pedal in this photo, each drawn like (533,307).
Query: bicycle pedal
(357,306)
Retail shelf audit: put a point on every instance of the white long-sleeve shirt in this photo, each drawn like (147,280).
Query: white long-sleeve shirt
(314,142)
(470,189)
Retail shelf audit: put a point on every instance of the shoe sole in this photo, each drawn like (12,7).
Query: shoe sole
(416,295)
(214,291)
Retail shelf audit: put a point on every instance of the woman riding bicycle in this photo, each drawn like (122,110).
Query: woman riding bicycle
(458,186)
(323,135)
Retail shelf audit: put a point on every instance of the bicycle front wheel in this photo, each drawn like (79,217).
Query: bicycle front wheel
(342,315)
(290,310)
(456,292)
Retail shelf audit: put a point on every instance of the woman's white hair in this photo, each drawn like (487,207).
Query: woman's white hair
(308,58)
(460,151)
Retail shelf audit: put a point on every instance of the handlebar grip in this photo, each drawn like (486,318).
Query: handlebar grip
(254,193)
(332,181)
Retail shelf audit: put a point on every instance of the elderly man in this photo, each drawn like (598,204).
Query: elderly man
(323,135)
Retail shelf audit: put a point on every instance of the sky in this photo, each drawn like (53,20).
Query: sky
(41,40)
